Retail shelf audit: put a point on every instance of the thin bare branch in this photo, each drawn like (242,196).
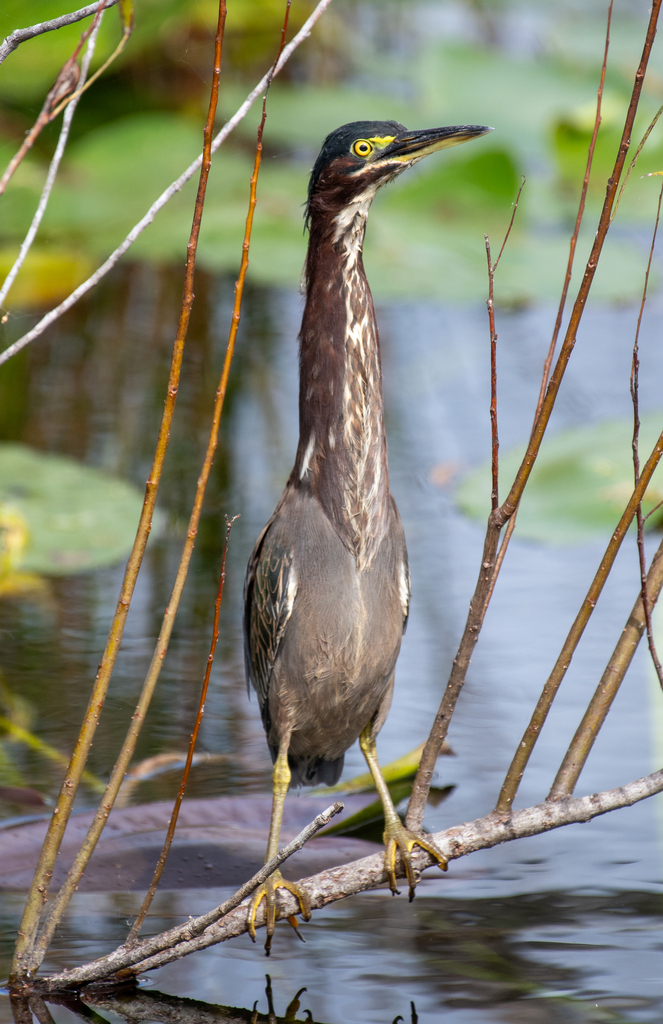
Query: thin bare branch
(172,824)
(126,956)
(165,196)
(634,386)
(500,516)
(339,882)
(53,168)
(514,211)
(655,509)
(21,35)
(62,92)
(495,443)
(506,540)
(60,903)
(127,18)
(579,218)
(490,304)
(26,958)
(531,734)
(605,693)
(633,162)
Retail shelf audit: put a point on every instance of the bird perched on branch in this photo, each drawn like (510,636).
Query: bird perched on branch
(327,587)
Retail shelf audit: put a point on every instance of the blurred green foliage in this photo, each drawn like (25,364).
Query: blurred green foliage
(141,124)
(580,484)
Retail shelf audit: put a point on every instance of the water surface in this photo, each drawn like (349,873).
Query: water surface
(561,927)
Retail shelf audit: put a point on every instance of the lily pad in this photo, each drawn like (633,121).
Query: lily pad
(78,518)
(580,483)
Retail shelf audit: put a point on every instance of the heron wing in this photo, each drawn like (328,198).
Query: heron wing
(271,586)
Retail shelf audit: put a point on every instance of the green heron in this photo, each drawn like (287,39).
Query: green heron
(327,586)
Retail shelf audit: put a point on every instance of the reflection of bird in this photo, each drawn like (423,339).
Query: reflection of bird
(327,586)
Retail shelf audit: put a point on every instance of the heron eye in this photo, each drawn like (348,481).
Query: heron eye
(362,148)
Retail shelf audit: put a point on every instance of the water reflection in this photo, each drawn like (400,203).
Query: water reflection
(132,1005)
(545,959)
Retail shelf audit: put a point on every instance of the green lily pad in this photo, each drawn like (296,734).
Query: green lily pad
(580,483)
(78,518)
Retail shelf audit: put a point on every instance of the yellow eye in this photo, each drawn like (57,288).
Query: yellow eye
(362,148)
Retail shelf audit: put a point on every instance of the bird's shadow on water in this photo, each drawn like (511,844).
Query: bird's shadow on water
(133,1004)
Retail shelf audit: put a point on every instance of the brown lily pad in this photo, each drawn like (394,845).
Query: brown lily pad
(218,842)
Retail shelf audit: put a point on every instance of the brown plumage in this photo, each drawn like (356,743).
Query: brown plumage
(327,586)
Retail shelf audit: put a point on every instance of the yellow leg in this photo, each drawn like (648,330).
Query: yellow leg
(396,836)
(267,891)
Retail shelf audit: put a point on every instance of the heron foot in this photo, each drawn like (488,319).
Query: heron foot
(398,838)
(267,891)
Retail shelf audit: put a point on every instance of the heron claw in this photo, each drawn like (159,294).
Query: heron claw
(267,891)
(397,838)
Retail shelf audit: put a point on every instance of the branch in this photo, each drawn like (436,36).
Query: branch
(501,516)
(145,221)
(21,35)
(53,168)
(64,90)
(634,384)
(490,305)
(567,281)
(368,873)
(126,956)
(606,691)
(554,680)
(30,948)
(172,824)
(30,951)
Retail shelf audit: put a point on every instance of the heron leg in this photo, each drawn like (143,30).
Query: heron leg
(267,891)
(396,837)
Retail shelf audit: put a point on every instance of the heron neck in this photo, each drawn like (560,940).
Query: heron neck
(342,452)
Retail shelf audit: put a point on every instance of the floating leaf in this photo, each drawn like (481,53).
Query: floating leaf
(78,518)
(46,276)
(580,483)
(24,796)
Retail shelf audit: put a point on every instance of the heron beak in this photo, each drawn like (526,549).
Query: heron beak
(414,145)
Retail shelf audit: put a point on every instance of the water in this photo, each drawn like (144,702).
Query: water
(561,927)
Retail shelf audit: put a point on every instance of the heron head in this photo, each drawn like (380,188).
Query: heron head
(358,158)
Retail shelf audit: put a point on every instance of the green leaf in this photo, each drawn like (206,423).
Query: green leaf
(78,518)
(580,483)
(403,769)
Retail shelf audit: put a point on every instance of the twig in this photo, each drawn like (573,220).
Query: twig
(490,304)
(514,211)
(495,443)
(579,217)
(74,875)
(531,734)
(21,35)
(500,516)
(127,19)
(126,956)
(172,189)
(23,960)
(53,168)
(565,290)
(605,693)
(63,91)
(633,162)
(368,873)
(655,509)
(161,863)
(634,383)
